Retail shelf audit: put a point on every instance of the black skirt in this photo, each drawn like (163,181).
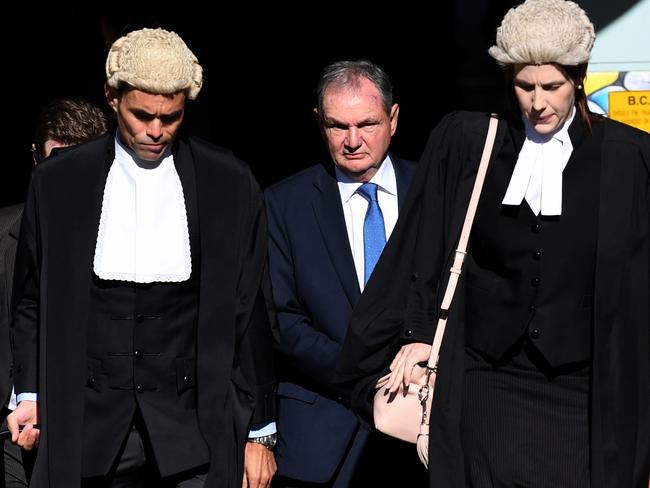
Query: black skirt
(523,425)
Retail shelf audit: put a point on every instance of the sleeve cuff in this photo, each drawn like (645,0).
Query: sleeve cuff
(33,397)
(263,430)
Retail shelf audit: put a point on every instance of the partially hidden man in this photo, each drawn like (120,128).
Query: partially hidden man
(327,228)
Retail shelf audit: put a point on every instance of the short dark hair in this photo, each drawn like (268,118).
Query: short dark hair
(349,73)
(69,121)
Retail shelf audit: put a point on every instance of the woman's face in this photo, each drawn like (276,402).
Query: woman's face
(545,95)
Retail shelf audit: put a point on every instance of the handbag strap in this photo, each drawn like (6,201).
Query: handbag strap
(461,250)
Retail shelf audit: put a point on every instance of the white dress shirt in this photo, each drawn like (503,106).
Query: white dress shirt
(355,207)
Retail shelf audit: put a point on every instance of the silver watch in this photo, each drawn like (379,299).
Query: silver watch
(267,441)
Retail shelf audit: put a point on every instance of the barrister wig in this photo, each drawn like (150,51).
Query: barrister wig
(542,32)
(155,61)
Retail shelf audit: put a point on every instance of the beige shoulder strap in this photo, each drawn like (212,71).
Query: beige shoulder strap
(461,250)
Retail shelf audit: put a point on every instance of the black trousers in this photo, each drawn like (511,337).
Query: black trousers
(17,464)
(383,459)
(135,468)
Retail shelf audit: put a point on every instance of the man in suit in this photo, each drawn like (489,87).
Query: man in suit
(61,123)
(320,262)
(142,331)
(11,468)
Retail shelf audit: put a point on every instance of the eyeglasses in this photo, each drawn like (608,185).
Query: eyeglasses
(36,154)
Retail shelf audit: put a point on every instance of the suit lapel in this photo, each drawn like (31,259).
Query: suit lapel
(91,198)
(331,222)
(9,248)
(72,224)
(76,216)
(404,171)
(185,170)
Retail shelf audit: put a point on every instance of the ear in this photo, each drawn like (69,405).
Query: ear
(111,96)
(394,113)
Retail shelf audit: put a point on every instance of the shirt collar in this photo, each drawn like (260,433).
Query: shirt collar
(563,134)
(384,178)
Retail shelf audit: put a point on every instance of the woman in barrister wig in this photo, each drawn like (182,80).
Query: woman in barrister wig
(544,371)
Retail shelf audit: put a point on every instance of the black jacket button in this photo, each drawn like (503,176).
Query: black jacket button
(536,228)
(139,389)
(534,334)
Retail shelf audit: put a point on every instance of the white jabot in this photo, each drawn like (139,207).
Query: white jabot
(538,173)
(143,235)
(355,207)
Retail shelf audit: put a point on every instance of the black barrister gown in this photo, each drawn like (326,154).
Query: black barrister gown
(54,270)
(416,263)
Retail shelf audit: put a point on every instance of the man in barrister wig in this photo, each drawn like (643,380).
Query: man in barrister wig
(142,335)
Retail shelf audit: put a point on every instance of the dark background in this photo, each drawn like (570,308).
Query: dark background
(261,65)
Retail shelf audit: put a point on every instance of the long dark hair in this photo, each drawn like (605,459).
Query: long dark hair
(578,74)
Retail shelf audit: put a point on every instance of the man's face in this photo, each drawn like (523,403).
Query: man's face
(357,129)
(147,123)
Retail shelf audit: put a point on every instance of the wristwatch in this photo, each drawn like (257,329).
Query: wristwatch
(267,441)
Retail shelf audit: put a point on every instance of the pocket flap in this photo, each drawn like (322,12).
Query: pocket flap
(291,390)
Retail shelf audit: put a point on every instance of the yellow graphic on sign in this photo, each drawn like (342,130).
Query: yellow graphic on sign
(631,107)
(598,80)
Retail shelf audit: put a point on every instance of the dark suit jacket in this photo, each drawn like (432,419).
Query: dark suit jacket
(9,230)
(53,273)
(315,287)
(406,288)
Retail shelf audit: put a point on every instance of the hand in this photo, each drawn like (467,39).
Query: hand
(402,366)
(259,466)
(26,414)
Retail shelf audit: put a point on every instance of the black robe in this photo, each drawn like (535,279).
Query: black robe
(416,264)
(54,269)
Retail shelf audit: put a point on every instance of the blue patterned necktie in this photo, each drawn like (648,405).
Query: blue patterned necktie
(374,232)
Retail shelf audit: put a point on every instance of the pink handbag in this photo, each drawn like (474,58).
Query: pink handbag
(406,416)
